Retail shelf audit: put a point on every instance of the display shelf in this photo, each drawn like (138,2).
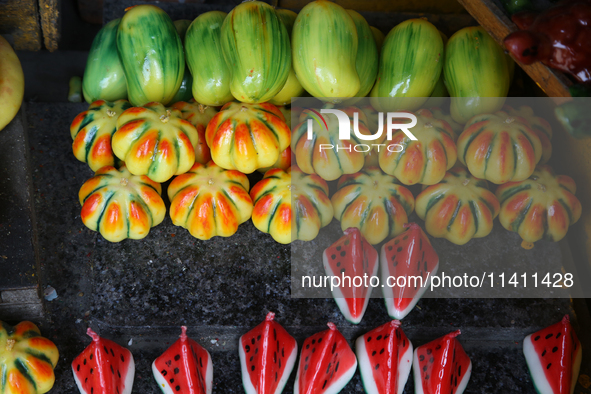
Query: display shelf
(499,26)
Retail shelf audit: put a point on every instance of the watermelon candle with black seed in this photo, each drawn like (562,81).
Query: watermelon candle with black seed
(385,359)
(348,258)
(553,357)
(327,363)
(103,367)
(185,368)
(407,263)
(441,366)
(267,357)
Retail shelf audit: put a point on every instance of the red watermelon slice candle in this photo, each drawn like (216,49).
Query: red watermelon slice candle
(385,358)
(267,356)
(185,368)
(103,367)
(351,256)
(405,258)
(553,357)
(327,363)
(441,366)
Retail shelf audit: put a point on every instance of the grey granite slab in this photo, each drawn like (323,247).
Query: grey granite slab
(144,290)
(17,255)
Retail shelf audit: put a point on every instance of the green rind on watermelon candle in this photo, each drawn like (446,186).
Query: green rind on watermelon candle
(351,256)
(256,47)
(553,356)
(324,47)
(185,367)
(152,55)
(410,65)
(385,359)
(104,367)
(326,365)
(104,77)
(205,58)
(267,357)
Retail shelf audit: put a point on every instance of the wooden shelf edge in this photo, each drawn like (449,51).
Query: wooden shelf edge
(498,25)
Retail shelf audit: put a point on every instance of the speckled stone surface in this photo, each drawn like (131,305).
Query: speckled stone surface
(138,293)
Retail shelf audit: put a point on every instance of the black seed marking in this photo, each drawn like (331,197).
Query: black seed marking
(252,368)
(122,359)
(117,388)
(337,367)
(259,337)
(274,334)
(368,339)
(536,338)
(274,357)
(279,363)
(247,347)
(396,242)
(313,349)
(112,370)
(431,360)
(452,380)
(343,253)
(557,335)
(324,384)
(275,375)
(382,351)
(342,270)
(373,353)
(429,351)
(251,357)
(319,340)
(252,341)
(307,346)
(460,370)
(378,338)
(306,367)
(91,370)
(398,335)
(256,350)
(86,380)
(404,343)
(426,377)
(91,355)
(420,243)
(399,249)
(377,366)
(177,357)
(549,336)
(548,366)
(386,336)
(421,358)
(328,368)
(84,362)
(544,353)
(425,368)
(106,350)
(283,351)
(277,345)
(313,341)
(78,368)
(171,380)
(334,256)
(201,362)
(390,248)
(307,358)
(339,247)
(405,238)
(91,390)
(112,354)
(178,388)
(334,347)
(339,264)
(554,349)
(437,347)
(176,371)
(118,374)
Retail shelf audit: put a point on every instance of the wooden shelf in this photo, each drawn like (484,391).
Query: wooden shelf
(498,25)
